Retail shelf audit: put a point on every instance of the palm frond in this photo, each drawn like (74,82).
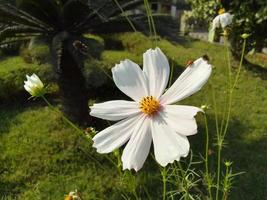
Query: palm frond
(126,6)
(12,15)
(73,12)
(102,11)
(13,31)
(14,41)
(46,11)
(94,15)
(118,25)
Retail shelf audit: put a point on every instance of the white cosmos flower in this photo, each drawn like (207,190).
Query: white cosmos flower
(150,117)
(34,85)
(222,20)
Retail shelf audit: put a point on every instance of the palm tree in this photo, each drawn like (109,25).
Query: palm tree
(62,23)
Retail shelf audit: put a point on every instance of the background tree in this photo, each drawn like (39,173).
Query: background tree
(250,16)
(61,24)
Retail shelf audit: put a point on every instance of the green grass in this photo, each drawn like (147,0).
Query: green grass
(42,158)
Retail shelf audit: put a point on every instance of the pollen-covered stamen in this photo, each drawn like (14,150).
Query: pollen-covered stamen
(149,105)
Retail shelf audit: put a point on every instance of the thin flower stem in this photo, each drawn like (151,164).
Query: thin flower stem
(225,122)
(106,73)
(232,89)
(229,82)
(73,126)
(135,195)
(171,75)
(215,111)
(125,15)
(65,119)
(164,180)
(240,64)
(218,170)
(148,18)
(222,135)
(225,191)
(147,193)
(207,156)
(151,20)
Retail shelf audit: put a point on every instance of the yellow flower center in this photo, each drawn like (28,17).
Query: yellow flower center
(149,105)
(68,197)
(221,11)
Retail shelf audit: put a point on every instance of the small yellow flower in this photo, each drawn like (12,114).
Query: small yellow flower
(221,11)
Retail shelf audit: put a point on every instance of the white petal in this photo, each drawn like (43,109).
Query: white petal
(28,77)
(27,88)
(156,68)
(130,79)
(115,110)
(226,19)
(37,80)
(137,149)
(114,136)
(168,145)
(188,83)
(28,83)
(181,118)
(216,22)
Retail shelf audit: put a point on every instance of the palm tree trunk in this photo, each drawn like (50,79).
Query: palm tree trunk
(71,82)
(72,89)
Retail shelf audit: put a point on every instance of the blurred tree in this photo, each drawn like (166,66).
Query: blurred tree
(250,16)
(204,10)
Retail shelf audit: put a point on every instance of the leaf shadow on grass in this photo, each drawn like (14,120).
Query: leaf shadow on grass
(246,157)
(259,70)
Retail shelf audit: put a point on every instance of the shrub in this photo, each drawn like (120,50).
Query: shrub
(36,52)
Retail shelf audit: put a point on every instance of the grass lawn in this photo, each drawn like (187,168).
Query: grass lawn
(42,158)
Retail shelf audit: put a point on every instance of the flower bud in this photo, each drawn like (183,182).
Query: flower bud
(245,35)
(228,163)
(34,86)
(205,107)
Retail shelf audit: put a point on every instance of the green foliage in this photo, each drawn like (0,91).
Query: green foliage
(204,10)
(36,53)
(249,17)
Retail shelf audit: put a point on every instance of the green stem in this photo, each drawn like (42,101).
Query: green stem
(215,111)
(207,157)
(218,169)
(148,18)
(125,15)
(222,135)
(225,191)
(151,20)
(171,75)
(232,89)
(164,180)
(73,126)
(64,118)
(229,82)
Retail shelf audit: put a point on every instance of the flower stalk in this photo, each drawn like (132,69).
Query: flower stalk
(221,135)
